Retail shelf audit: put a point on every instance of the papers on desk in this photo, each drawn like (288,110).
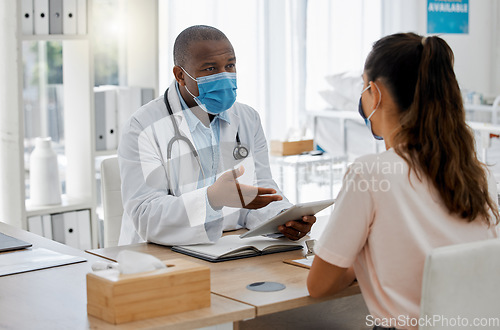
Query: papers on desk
(232,247)
(304,262)
(33,259)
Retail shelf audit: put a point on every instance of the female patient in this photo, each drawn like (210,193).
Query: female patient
(426,190)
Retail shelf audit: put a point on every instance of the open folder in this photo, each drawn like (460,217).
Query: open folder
(232,247)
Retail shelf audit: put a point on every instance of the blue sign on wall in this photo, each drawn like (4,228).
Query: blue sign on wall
(447,16)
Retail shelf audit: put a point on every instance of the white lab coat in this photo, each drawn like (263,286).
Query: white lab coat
(150,214)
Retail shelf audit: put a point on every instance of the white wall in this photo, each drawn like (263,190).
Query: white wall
(11,129)
(142,44)
(477,54)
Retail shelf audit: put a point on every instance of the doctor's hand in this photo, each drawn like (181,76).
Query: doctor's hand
(297,229)
(227,191)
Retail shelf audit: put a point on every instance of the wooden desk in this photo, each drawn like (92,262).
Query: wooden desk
(56,298)
(230,278)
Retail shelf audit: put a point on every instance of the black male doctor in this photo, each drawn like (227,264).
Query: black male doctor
(194,162)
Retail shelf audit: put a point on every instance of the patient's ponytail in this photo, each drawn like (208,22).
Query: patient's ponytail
(434,138)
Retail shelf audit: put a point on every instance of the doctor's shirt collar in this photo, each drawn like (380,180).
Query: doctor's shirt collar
(191,119)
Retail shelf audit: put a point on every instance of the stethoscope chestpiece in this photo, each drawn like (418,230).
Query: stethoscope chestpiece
(240,152)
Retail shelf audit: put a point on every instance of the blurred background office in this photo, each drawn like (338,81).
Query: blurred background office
(299,64)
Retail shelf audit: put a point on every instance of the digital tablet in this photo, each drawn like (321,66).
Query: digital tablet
(296,212)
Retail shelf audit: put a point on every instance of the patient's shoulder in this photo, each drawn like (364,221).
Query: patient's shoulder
(381,164)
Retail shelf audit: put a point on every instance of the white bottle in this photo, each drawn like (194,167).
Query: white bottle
(45,188)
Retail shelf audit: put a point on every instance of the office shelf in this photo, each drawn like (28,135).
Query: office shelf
(78,84)
(79,117)
(53,37)
(68,204)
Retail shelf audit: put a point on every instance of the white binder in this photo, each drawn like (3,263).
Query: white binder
(55,16)
(100,119)
(106,109)
(65,228)
(111,134)
(41,17)
(128,101)
(136,98)
(69,17)
(84,237)
(81,16)
(47,226)
(71,237)
(123,107)
(35,225)
(147,95)
(27,16)
(58,227)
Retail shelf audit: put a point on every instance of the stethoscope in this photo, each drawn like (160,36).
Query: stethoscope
(239,152)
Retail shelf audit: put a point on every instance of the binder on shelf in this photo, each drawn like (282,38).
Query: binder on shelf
(123,107)
(129,100)
(84,237)
(147,95)
(41,225)
(105,108)
(111,134)
(47,226)
(27,16)
(69,17)
(65,228)
(41,17)
(71,237)
(136,96)
(58,227)
(35,225)
(100,118)
(55,17)
(100,235)
(81,16)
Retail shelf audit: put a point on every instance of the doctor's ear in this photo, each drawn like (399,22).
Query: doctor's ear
(179,75)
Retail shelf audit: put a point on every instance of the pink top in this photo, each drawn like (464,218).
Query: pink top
(385,227)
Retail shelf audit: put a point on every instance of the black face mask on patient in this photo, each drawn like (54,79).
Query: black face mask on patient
(367,120)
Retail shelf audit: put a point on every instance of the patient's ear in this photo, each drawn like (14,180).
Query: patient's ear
(179,75)
(376,94)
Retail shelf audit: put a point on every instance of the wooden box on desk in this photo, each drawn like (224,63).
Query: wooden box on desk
(118,298)
(287,148)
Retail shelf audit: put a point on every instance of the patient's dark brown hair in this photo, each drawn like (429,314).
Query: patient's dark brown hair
(434,138)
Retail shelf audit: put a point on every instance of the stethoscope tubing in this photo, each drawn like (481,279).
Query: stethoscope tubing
(179,137)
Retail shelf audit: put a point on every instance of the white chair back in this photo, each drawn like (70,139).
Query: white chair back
(111,200)
(461,284)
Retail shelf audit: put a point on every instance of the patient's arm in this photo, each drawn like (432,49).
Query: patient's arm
(326,279)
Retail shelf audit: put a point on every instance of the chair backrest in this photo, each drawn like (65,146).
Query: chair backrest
(111,200)
(460,284)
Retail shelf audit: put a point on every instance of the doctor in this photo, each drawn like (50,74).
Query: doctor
(194,162)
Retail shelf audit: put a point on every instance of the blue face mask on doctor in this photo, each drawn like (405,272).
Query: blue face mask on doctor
(216,92)
(362,113)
